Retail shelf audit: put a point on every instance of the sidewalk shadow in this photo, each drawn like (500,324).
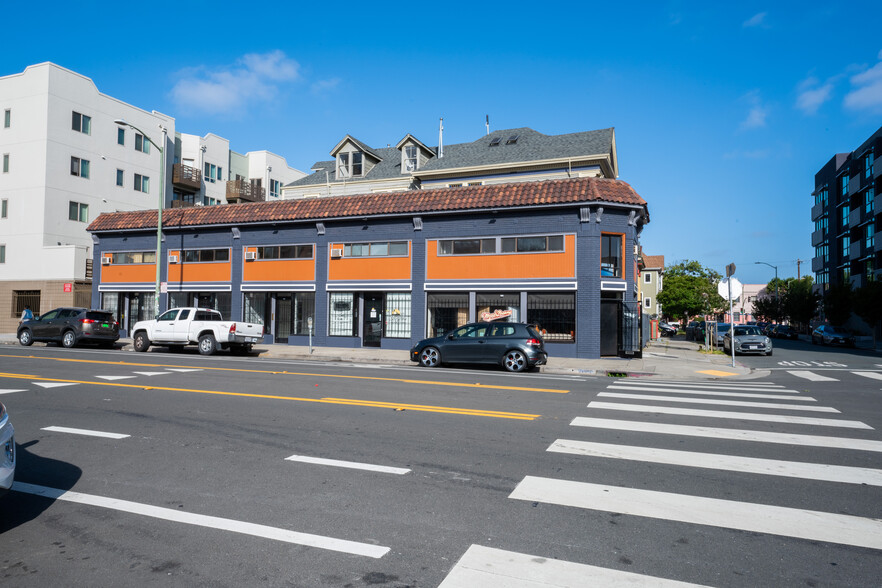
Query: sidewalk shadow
(19,508)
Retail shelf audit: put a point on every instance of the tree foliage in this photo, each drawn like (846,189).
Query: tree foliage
(800,302)
(838,303)
(690,289)
(867,302)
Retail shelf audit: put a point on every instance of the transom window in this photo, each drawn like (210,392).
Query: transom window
(132,257)
(379,249)
(79,167)
(285,252)
(205,255)
(78,211)
(611,255)
(142,144)
(81,123)
(532,244)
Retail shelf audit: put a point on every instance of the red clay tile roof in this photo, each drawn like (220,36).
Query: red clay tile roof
(499,196)
(654,261)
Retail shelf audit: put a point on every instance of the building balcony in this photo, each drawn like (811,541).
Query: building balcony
(817,211)
(818,237)
(854,184)
(245,191)
(817,264)
(877,202)
(854,217)
(857,281)
(856,251)
(186,178)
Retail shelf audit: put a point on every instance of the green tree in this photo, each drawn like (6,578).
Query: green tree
(767,309)
(868,305)
(800,303)
(690,289)
(838,303)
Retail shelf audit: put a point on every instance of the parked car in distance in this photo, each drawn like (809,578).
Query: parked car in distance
(784,332)
(829,335)
(720,329)
(515,346)
(690,330)
(70,326)
(747,339)
(204,327)
(768,328)
(7,446)
(666,330)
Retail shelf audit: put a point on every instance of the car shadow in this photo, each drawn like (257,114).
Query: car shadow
(19,508)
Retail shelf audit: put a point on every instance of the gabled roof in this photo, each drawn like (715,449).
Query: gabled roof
(409,137)
(357,143)
(652,262)
(548,193)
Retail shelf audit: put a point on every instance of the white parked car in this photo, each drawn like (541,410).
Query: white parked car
(196,326)
(7,446)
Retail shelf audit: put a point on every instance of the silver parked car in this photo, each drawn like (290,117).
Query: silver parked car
(748,339)
(7,447)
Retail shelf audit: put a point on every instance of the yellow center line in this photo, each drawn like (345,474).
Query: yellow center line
(344,401)
(287,373)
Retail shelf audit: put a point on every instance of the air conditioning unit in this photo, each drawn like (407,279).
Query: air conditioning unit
(106,260)
(173,259)
(336,252)
(250,255)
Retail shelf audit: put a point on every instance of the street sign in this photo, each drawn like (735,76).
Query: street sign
(730,270)
(723,288)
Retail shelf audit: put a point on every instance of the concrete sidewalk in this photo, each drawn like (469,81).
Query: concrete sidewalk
(674,359)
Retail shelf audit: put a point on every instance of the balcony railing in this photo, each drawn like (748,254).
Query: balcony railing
(244,191)
(181,204)
(818,237)
(817,210)
(186,178)
(817,264)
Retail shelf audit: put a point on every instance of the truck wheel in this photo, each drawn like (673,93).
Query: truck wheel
(207,344)
(141,343)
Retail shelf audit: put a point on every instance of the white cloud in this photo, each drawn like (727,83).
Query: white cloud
(756,117)
(867,92)
(322,86)
(757,20)
(812,94)
(253,78)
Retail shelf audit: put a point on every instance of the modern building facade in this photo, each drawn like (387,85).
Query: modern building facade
(389,269)
(846,215)
(65,161)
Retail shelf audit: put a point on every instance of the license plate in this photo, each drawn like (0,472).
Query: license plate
(105,325)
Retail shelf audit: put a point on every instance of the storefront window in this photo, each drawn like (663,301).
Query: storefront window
(141,306)
(256,307)
(446,312)
(304,307)
(341,314)
(554,315)
(498,307)
(180,299)
(398,315)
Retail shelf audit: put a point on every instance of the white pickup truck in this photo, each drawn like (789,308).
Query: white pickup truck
(201,326)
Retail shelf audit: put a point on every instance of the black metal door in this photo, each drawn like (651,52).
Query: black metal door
(609,327)
(283,318)
(373,320)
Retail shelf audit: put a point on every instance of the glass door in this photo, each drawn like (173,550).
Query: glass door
(373,319)
(283,317)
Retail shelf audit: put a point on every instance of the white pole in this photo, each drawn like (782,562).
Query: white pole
(731,323)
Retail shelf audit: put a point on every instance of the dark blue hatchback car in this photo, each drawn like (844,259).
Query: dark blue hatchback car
(515,346)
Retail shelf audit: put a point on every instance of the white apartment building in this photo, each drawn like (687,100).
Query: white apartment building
(65,161)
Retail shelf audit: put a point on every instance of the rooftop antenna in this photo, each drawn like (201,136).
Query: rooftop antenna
(488,124)
(441,138)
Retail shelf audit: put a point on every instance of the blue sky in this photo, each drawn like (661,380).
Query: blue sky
(723,113)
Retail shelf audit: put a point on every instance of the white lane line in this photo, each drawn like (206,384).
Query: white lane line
(727,386)
(115,377)
(718,402)
(11,391)
(348,464)
(713,393)
(151,373)
(156,512)
(53,384)
(873,375)
(698,510)
(732,434)
(734,463)
(719,414)
(184,369)
(494,568)
(807,375)
(85,432)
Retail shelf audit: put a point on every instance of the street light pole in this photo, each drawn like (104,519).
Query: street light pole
(160,205)
(777,300)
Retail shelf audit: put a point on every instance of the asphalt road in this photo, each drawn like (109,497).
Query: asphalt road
(211,472)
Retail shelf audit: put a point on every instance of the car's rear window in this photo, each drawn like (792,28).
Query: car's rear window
(99,316)
(533,332)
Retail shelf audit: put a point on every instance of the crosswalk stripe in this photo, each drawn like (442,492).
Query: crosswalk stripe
(495,568)
(53,384)
(732,434)
(10,391)
(711,386)
(747,416)
(348,464)
(711,461)
(807,375)
(713,393)
(872,375)
(85,432)
(112,378)
(717,401)
(151,373)
(699,510)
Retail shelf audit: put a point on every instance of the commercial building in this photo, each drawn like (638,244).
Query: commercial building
(65,161)
(387,269)
(846,215)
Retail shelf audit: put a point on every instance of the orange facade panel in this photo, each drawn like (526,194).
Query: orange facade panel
(368,268)
(501,266)
(215,271)
(128,273)
(278,270)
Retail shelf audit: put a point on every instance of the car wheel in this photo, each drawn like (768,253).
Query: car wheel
(769,353)
(25,338)
(69,339)
(430,357)
(141,343)
(514,361)
(207,344)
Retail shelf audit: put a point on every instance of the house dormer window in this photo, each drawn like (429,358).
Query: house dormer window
(350,164)
(410,158)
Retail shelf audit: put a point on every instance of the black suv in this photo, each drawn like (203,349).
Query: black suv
(70,326)
(516,346)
